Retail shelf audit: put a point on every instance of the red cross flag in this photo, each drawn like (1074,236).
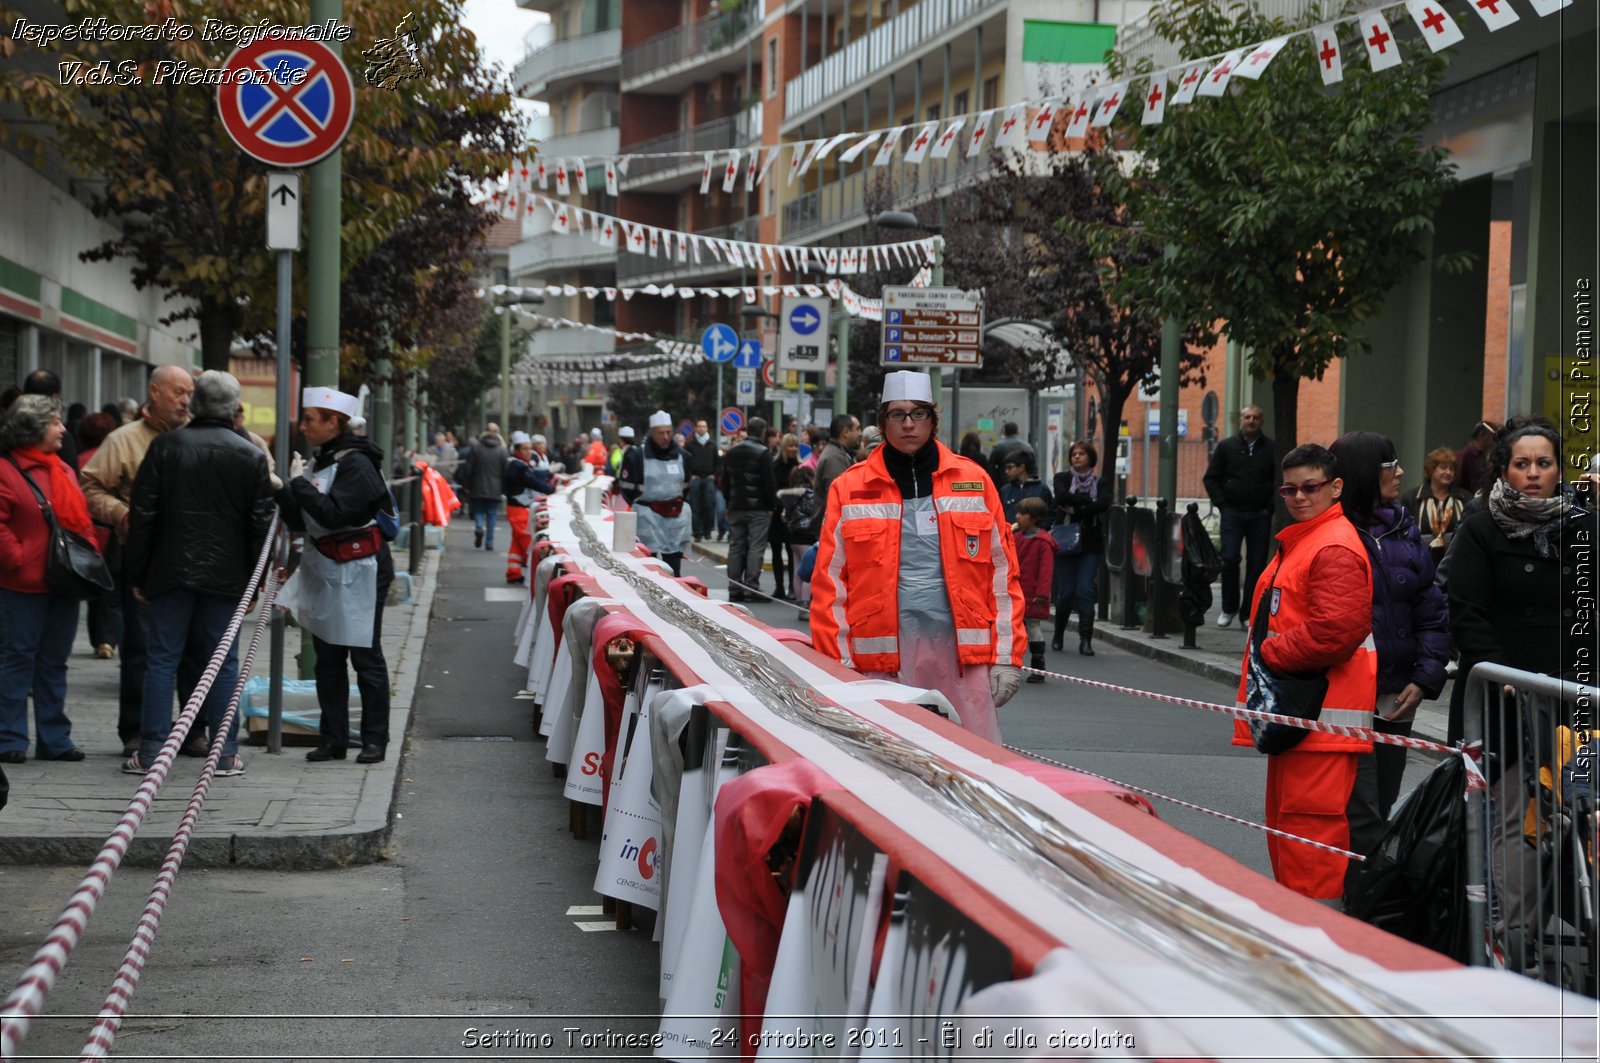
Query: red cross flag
(730,172)
(605,234)
(750,168)
(544,175)
(831,260)
(795,159)
(611,177)
(508,205)
(1381,49)
(654,237)
(705,175)
(562,187)
(683,241)
(1325,46)
(1548,7)
(636,239)
(1013,127)
(1078,119)
(924,140)
(886,152)
(1155,99)
(1496,14)
(562,222)
(1188,82)
(1215,83)
(1043,119)
(1257,59)
(980,130)
(580,173)
(947,139)
(1436,27)
(1109,104)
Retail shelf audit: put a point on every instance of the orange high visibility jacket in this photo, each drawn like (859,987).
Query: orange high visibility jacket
(1340,614)
(855,613)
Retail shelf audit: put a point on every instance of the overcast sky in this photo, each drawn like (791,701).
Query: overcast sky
(500,26)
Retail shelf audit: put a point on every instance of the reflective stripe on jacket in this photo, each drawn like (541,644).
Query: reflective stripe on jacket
(855,615)
(1353,679)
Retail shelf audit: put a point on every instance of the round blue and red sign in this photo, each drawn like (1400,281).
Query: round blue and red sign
(288,103)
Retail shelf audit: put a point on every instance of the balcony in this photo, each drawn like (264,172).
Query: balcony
(588,144)
(672,173)
(694,51)
(549,255)
(886,47)
(634,270)
(841,205)
(593,56)
(547,344)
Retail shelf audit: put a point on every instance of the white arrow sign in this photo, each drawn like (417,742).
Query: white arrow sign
(283,211)
(803,335)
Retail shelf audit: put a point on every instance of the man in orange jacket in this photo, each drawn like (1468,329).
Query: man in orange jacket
(1314,602)
(916,572)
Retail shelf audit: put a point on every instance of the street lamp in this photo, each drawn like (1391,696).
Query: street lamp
(904,219)
(507,301)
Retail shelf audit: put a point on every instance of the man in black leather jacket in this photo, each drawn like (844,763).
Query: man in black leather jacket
(751,487)
(201,507)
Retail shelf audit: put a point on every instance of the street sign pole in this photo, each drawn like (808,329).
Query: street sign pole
(841,363)
(936,375)
(327,217)
(280,455)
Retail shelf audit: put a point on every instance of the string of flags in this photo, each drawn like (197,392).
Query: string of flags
(1028,123)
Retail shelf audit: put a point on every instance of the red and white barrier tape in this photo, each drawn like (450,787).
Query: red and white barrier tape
(104,1033)
(27,999)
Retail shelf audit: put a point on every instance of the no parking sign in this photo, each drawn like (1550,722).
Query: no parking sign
(287,102)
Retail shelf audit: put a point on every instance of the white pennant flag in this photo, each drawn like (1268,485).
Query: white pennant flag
(947,139)
(811,156)
(831,261)
(1013,131)
(622,164)
(1215,83)
(1325,43)
(772,157)
(1108,105)
(611,294)
(1436,27)
(686,293)
(562,188)
(683,247)
(577,220)
(705,175)
(1043,119)
(654,239)
(1257,59)
(730,172)
(694,248)
(1375,34)
(611,177)
(750,169)
(524,179)
(924,140)
(749,295)
(605,234)
(1188,82)
(1496,14)
(580,172)
(715,247)
(1155,99)
(1548,7)
(847,261)
(886,152)
(636,239)
(1078,120)
(811,290)
(562,221)
(854,151)
(833,142)
(731,293)
(799,156)
(544,174)
(980,132)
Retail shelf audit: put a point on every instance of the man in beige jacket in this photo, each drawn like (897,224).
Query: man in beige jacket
(107,482)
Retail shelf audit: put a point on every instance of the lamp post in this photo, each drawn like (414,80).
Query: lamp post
(904,219)
(507,301)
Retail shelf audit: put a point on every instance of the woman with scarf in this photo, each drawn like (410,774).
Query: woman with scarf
(1081,497)
(36,626)
(1438,506)
(1514,600)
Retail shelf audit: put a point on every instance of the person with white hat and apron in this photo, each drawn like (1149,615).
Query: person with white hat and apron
(345,570)
(916,572)
(522,480)
(653,479)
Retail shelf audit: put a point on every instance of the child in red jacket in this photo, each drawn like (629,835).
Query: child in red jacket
(1036,566)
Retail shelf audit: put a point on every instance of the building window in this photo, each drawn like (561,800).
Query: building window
(772,197)
(991,92)
(772,67)
(933,113)
(960,106)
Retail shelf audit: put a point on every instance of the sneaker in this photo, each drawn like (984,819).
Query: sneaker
(130,747)
(137,765)
(105,651)
(233,765)
(1224,619)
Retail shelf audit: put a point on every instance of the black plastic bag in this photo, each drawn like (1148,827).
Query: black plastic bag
(1413,884)
(1201,565)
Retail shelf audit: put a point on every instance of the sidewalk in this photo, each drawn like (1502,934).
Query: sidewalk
(1217,656)
(283,813)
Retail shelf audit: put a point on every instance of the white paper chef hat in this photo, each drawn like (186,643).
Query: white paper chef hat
(659,418)
(907,385)
(330,399)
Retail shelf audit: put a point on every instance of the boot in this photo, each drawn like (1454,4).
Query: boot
(1061,627)
(1086,635)
(1037,649)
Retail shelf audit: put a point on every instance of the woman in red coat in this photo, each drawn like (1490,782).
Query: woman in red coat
(36,626)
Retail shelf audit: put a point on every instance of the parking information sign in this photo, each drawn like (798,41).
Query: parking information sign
(932,326)
(803,335)
(287,102)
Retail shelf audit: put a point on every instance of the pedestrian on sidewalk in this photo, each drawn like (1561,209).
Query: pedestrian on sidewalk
(202,505)
(784,464)
(107,482)
(345,571)
(37,626)
(484,477)
(1472,460)
(653,480)
(752,492)
(838,454)
(1438,505)
(1021,480)
(523,480)
(1036,561)
(1082,496)
(1010,445)
(705,466)
(1310,625)
(916,573)
(105,612)
(1240,479)
(1410,622)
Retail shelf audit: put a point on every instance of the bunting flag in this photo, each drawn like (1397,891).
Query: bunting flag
(561,220)
(605,233)
(1496,14)
(544,175)
(1013,130)
(1548,7)
(772,157)
(1257,59)
(1436,27)
(980,130)
(730,172)
(1043,119)
(705,175)
(1381,48)
(1078,120)
(1155,100)
(811,156)
(683,243)
(886,152)
(947,139)
(924,140)
(611,178)
(562,187)
(854,151)
(1109,104)
(653,237)
(580,175)
(1215,83)
(833,142)
(1325,43)
(622,164)
(636,240)
(796,157)
(1188,81)
(752,164)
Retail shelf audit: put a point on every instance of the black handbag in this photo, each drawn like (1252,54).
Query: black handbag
(1069,539)
(1283,693)
(73,568)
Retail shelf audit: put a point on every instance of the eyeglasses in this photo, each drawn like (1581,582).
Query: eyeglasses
(1395,464)
(920,414)
(1310,487)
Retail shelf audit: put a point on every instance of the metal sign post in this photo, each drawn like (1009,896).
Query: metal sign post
(283,237)
(720,343)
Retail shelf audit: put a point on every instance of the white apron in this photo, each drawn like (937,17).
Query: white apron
(663,481)
(335,601)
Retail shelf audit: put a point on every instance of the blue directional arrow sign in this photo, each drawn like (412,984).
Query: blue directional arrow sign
(804,319)
(720,343)
(749,356)
(803,335)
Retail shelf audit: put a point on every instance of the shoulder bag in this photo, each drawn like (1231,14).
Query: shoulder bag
(1069,538)
(1283,693)
(73,568)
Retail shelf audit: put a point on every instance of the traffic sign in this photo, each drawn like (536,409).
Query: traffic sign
(749,356)
(768,373)
(720,343)
(745,388)
(932,326)
(686,428)
(283,211)
(288,102)
(731,419)
(802,337)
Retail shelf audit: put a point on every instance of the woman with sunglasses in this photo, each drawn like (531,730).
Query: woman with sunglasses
(1410,623)
(1303,626)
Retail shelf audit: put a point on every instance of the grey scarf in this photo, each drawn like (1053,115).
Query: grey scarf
(1520,516)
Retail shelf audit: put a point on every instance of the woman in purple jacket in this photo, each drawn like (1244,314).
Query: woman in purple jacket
(1410,620)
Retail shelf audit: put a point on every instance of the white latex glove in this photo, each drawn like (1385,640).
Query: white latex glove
(1003,682)
(297,465)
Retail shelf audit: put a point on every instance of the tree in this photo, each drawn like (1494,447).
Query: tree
(189,206)
(1291,210)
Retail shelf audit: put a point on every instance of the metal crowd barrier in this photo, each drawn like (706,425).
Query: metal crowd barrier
(1148,543)
(1531,889)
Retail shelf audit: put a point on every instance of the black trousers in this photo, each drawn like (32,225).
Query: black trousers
(372,680)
